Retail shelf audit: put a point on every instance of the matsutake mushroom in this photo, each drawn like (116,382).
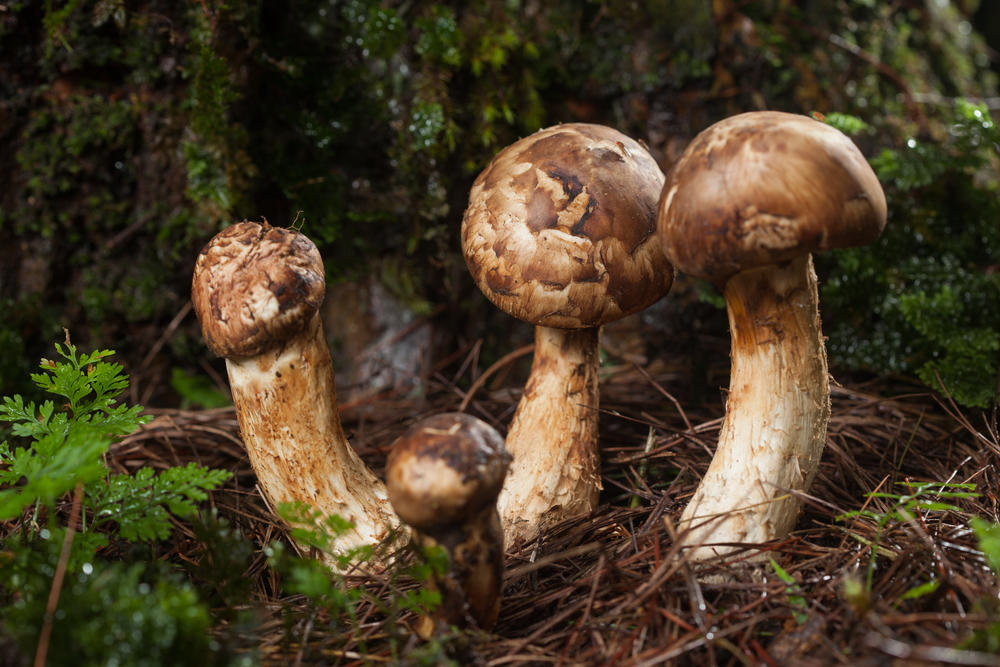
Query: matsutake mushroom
(443,477)
(257,290)
(560,232)
(745,205)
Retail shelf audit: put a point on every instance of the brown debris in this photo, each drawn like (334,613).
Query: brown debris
(610,588)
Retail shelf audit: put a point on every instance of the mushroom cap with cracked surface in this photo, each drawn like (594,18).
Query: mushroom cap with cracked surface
(560,228)
(763,187)
(445,470)
(255,286)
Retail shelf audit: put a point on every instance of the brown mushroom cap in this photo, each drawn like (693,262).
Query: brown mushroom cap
(762,188)
(445,470)
(254,286)
(559,225)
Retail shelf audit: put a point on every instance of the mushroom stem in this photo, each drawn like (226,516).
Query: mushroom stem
(286,398)
(776,415)
(471,587)
(257,290)
(553,435)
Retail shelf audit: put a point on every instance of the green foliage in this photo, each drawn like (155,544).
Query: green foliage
(400,106)
(849,125)
(57,160)
(920,590)
(112,614)
(988,535)
(987,638)
(108,613)
(67,445)
(67,448)
(310,577)
(439,37)
(120,169)
(433,561)
(215,144)
(196,390)
(311,528)
(141,504)
(925,299)
(138,129)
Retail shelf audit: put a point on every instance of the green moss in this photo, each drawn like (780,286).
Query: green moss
(112,614)
(924,299)
(140,129)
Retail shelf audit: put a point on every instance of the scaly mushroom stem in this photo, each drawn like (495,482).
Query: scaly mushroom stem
(555,473)
(471,587)
(776,416)
(560,232)
(286,398)
(257,290)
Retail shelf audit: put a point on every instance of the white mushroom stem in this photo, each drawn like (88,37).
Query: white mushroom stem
(286,404)
(776,416)
(556,468)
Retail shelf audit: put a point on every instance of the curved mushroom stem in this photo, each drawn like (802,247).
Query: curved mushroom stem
(555,473)
(286,404)
(776,416)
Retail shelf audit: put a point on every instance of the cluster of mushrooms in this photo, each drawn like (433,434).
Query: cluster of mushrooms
(568,229)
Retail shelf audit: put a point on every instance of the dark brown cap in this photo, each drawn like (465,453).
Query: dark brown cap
(762,188)
(445,470)
(560,228)
(254,287)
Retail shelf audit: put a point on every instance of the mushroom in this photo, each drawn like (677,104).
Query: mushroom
(744,206)
(257,290)
(443,478)
(560,232)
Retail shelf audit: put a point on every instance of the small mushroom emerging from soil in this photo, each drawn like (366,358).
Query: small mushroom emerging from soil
(560,232)
(443,477)
(745,205)
(257,290)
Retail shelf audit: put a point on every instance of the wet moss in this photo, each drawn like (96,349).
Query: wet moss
(133,131)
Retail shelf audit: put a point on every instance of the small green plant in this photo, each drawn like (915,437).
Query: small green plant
(67,445)
(920,499)
(795,597)
(107,613)
(987,638)
(311,529)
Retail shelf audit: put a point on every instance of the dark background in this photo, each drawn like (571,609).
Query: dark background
(131,132)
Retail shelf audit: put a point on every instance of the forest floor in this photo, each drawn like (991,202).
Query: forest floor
(883,567)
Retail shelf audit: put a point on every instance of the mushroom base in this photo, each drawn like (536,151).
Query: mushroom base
(776,415)
(286,404)
(555,472)
(470,589)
